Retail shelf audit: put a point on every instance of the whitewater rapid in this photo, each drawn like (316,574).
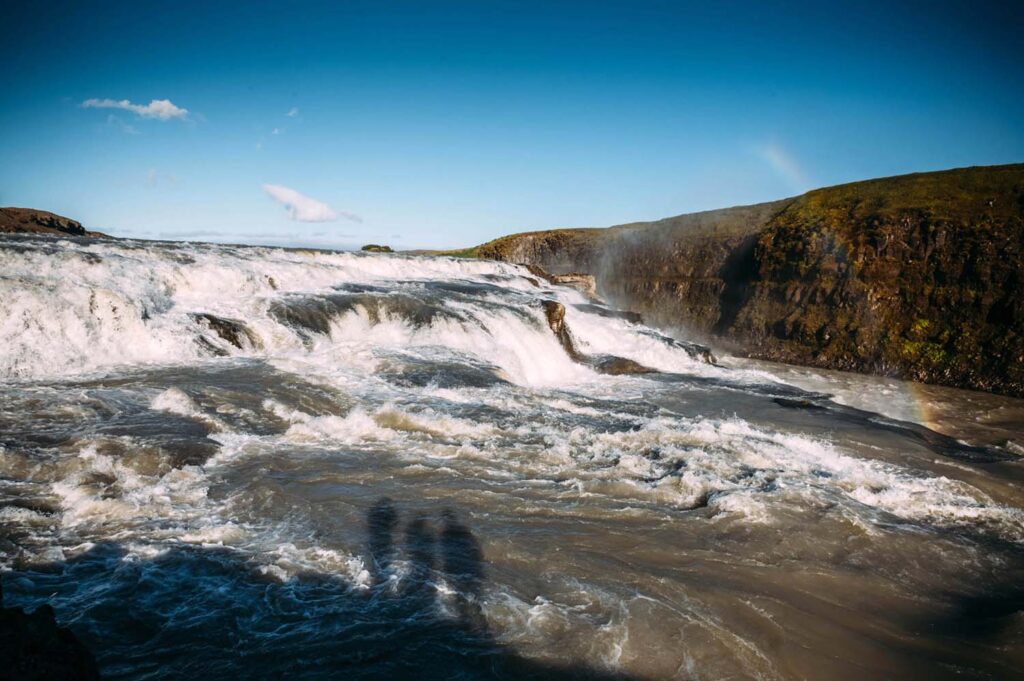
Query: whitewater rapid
(310,439)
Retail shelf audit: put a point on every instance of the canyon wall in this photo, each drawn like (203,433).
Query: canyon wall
(917,276)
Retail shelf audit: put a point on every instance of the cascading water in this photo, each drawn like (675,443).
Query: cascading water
(270,462)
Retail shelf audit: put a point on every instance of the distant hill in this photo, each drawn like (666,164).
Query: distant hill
(32,221)
(919,276)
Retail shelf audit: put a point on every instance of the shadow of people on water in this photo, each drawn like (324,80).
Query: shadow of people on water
(195,611)
(381,521)
(463,565)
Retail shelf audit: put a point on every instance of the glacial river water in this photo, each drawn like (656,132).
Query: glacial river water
(223,461)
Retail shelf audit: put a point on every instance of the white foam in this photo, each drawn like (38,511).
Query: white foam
(741,468)
(356,426)
(288,560)
(99,490)
(84,308)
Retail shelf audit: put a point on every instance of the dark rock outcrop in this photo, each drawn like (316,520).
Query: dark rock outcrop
(584,283)
(31,221)
(617,366)
(603,364)
(919,276)
(694,350)
(34,648)
(230,330)
(631,317)
(376,248)
(555,314)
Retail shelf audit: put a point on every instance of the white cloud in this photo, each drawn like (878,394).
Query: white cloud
(304,208)
(161,109)
(276,131)
(292,112)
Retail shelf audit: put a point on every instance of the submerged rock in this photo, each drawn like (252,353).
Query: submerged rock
(617,366)
(34,648)
(694,350)
(315,313)
(231,330)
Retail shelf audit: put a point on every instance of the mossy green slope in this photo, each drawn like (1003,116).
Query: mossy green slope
(917,276)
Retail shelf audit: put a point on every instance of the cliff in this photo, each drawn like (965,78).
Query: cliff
(917,276)
(31,221)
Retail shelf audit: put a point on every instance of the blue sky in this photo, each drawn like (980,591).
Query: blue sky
(443,124)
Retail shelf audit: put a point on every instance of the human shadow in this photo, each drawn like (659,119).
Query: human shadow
(215,612)
(974,627)
(381,521)
(463,564)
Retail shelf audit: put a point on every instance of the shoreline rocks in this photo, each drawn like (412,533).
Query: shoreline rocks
(34,648)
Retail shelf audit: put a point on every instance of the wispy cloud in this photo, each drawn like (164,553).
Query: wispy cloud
(304,208)
(115,122)
(161,109)
(276,131)
(292,112)
(155,177)
(783,163)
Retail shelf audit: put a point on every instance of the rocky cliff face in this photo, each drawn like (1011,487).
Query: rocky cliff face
(31,221)
(918,276)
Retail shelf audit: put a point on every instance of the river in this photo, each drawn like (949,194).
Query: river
(244,461)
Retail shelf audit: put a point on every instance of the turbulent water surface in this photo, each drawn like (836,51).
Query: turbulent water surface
(283,463)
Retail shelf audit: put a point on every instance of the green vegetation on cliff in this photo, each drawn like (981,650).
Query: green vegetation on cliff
(919,276)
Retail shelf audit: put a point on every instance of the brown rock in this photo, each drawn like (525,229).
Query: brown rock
(555,313)
(605,364)
(584,283)
(31,221)
(233,331)
(617,366)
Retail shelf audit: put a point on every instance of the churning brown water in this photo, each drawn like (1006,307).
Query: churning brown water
(268,463)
